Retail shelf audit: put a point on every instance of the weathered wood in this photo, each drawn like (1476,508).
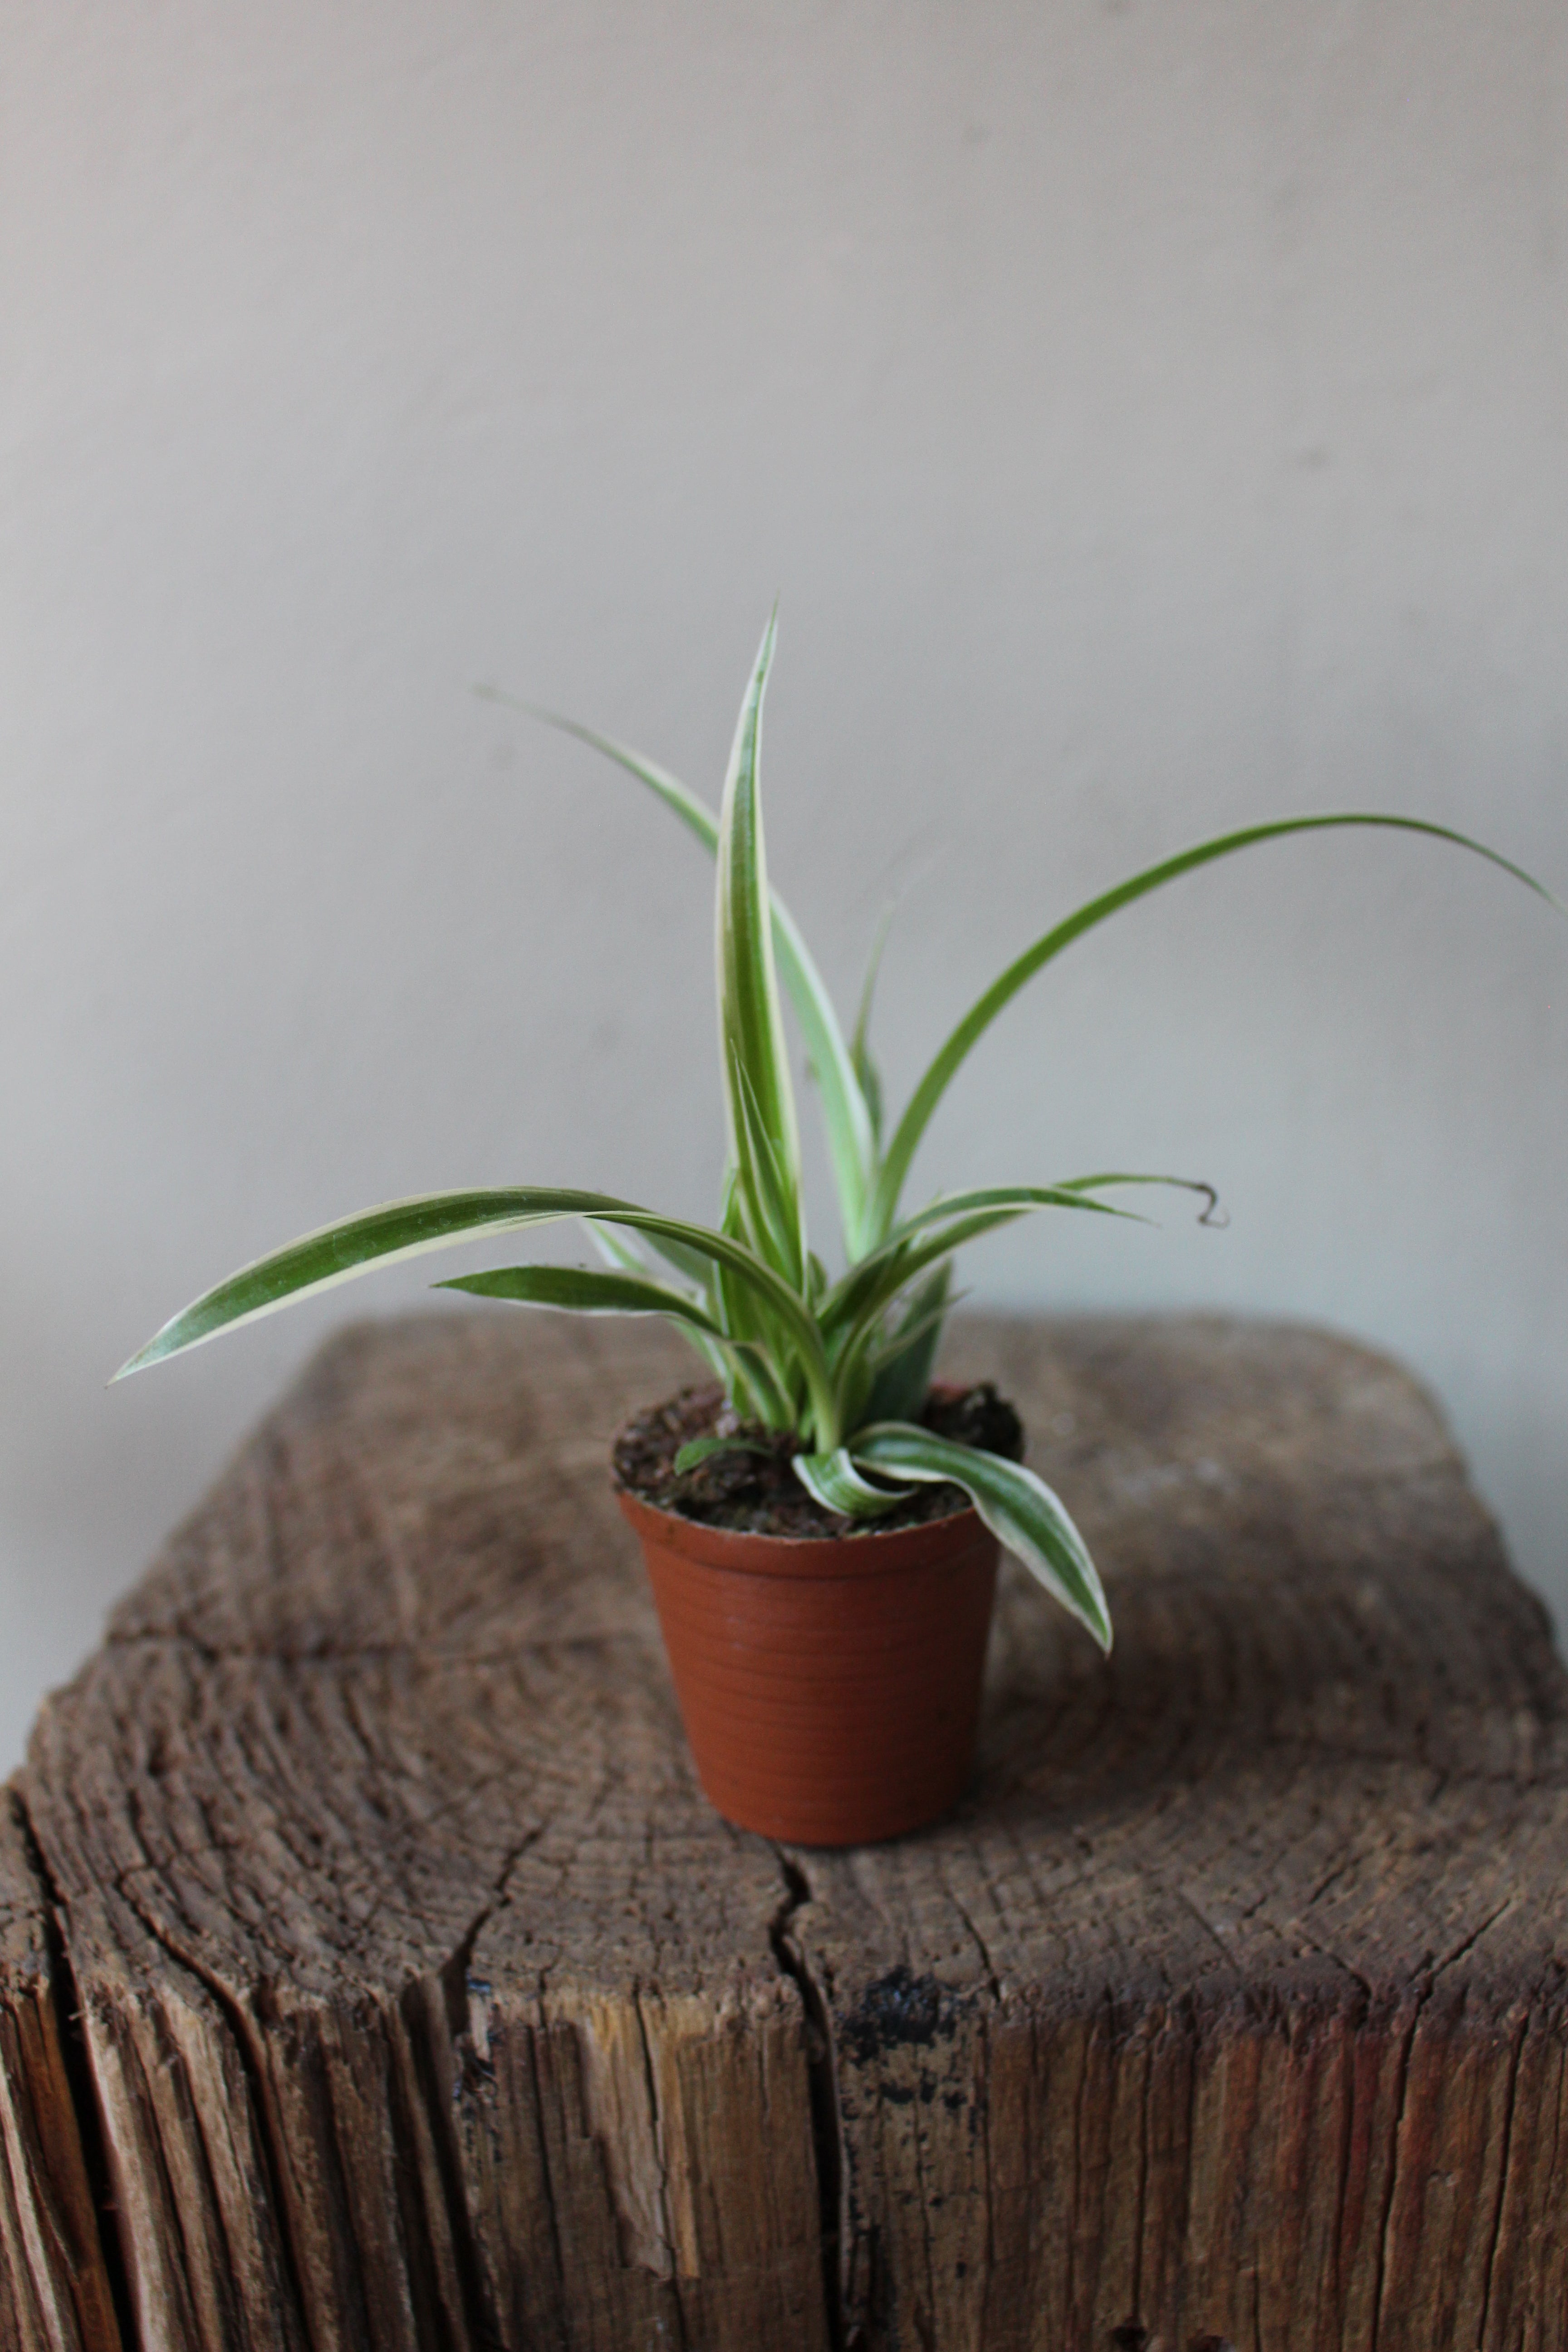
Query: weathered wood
(54,2291)
(427,2004)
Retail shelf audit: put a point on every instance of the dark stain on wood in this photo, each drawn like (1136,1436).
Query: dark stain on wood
(899,2011)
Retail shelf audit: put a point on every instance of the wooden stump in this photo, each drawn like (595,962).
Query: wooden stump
(426,2003)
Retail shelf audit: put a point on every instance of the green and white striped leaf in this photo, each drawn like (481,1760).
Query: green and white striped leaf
(580,1290)
(851,1142)
(397,1230)
(616,1249)
(978,1019)
(685,1263)
(738,1309)
(831,1480)
(1019,1198)
(872,1284)
(756,1334)
(1018,1507)
(336,1254)
(620,1254)
(774,1200)
(765,1139)
(777,1406)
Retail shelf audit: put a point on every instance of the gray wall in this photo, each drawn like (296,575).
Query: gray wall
(1152,417)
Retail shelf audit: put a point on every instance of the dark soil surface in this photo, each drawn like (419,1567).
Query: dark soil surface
(759,1493)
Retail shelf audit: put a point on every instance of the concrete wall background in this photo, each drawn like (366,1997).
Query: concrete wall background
(1151,416)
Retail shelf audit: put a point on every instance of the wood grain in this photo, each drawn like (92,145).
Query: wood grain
(426,2004)
(55,2289)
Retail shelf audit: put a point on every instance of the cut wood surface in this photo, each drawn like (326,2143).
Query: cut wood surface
(424,2002)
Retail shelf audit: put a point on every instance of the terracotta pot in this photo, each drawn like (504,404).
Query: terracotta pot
(830,1686)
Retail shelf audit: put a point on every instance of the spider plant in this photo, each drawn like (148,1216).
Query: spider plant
(845,1362)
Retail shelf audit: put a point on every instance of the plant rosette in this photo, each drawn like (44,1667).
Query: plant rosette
(828,1675)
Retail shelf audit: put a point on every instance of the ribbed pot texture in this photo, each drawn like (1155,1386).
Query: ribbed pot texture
(830,1687)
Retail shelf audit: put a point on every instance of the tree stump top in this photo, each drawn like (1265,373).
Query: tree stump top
(425,2001)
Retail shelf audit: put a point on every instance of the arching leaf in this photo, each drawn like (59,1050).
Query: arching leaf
(1018,1507)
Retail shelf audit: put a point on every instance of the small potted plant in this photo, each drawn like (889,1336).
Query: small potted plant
(820,1524)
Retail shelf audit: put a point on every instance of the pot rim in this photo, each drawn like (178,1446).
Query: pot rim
(880,1551)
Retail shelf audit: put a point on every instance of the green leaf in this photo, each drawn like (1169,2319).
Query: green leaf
(850,1141)
(763,1138)
(1015,1199)
(774,1200)
(693,814)
(757,1337)
(432,1221)
(703,1449)
(735,1305)
(978,1019)
(739,1311)
(1213,1214)
(580,1290)
(865,1069)
(336,1254)
(871,1284)
(831,1480)
(851,1146)
(618,1253)
(777,1406)
(1018,1507)
(903,1368)
(685,1262)
(615,1250)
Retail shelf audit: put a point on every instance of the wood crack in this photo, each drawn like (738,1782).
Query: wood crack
(1468,1943)
(822,2082)
(453,1974)
(88,2115)
(1327,1952)
(1386,2220)
(992,1983)
(253,2067)
(542,2147)
(651,2085)
(1495,2233)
